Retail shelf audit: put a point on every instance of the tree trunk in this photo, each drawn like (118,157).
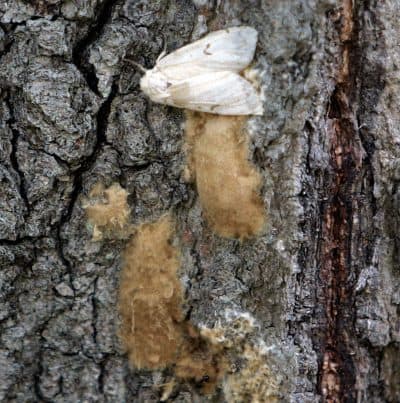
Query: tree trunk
(321,281)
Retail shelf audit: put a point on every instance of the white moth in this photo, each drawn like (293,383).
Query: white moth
(204,76)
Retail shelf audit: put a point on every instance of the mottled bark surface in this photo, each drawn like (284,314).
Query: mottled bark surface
(323,280)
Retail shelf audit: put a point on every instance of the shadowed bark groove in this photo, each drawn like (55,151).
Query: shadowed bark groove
(79,54)
(337,376)
(344,243)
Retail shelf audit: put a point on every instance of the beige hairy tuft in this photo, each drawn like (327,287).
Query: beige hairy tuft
(150,298)
(108,212)
(227,183)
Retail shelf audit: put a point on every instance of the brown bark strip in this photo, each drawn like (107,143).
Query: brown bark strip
(336,373)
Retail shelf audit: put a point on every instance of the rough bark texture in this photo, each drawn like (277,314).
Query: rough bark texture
(323,280)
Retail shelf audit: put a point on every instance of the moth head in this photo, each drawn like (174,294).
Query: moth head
(154,84)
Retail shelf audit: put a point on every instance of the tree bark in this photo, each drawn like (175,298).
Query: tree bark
(322,280)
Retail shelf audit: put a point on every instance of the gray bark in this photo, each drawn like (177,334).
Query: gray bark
(323,281)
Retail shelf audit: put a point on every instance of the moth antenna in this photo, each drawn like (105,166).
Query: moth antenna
(162,54)
(137,65)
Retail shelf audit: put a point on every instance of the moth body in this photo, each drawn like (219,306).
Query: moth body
(155,85)
(204,76)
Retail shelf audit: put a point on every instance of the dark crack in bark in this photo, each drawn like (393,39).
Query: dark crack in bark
(102,122)
(349,181)
(79,54)
(336,372)
(13,156)
(95,312)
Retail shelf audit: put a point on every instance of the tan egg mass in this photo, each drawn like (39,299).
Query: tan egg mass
(150,297)
(227,183)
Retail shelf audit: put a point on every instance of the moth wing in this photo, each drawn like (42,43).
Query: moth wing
(223,93)
(230,49)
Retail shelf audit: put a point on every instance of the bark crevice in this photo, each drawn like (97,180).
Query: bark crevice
(349,179)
